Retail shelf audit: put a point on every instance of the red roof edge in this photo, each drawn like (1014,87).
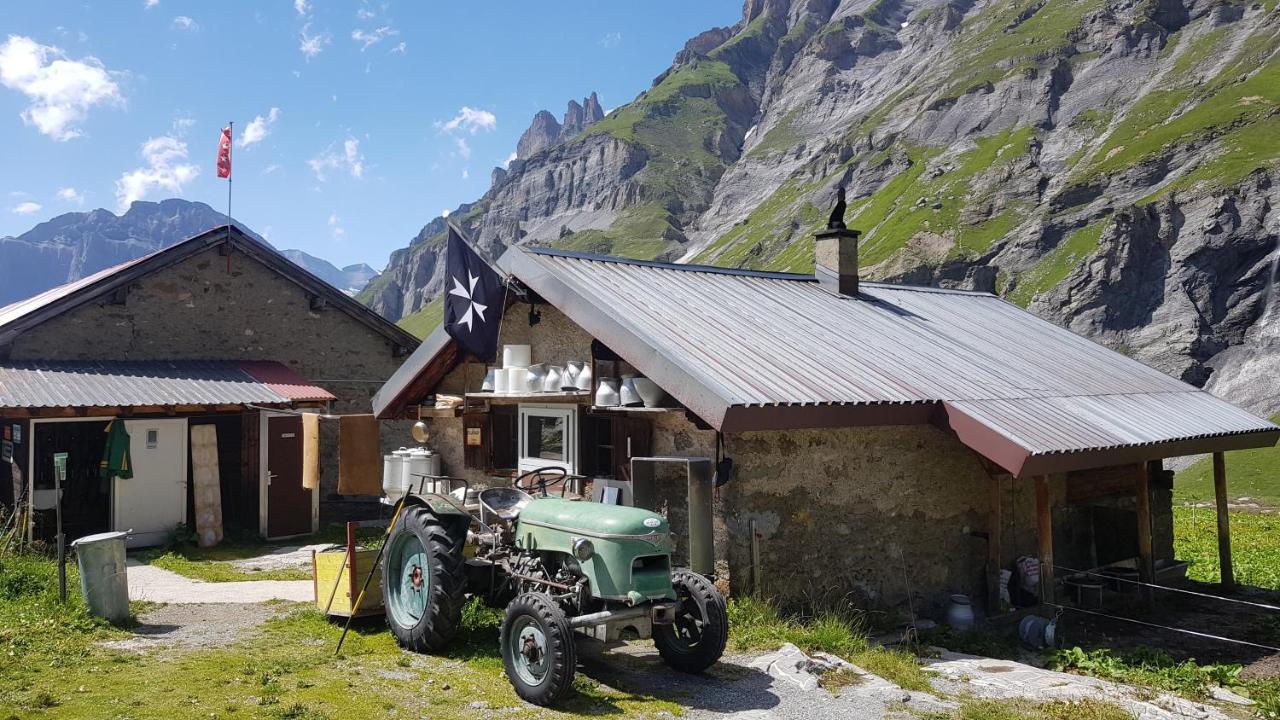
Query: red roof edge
(285,382)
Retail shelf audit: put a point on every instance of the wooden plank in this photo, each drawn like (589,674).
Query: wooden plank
(994,532)
(1224,523)
(1044,514)
(1146,562)
(207,484)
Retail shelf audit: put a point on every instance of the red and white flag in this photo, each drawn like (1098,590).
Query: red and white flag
(224,154)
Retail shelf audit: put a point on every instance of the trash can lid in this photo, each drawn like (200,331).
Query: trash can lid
(99,537)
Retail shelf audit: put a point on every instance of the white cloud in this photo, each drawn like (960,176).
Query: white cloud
(507,163)
(166,169)
(610,39)
(270,169)
(181,124)
(373,37)
(348,159)
(398,49)
(312,45)
(148,4)
(26,208)
(466,173)
(71,194)
(444,213)
(365,14)
(335,226)
(470,120)
(464,150)
(302,6)
(182,22)
(258,128)
(61,90)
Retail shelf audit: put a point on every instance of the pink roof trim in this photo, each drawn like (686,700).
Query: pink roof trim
(284,381)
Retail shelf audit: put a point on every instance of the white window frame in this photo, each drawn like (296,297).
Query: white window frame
(563,411)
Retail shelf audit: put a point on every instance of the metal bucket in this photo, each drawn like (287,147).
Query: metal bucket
(103,577)
(1038,633)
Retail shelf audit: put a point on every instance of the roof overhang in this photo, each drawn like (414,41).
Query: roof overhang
(417,376)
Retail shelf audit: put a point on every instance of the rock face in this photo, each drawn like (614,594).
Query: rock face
(74,245)
(1108,164)
(545,131)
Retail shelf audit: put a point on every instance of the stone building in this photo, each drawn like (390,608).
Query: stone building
(886,441)
(218,330)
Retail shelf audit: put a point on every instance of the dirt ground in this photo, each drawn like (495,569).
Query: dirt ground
(196,626)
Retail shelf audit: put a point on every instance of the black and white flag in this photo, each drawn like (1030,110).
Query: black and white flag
(473,299)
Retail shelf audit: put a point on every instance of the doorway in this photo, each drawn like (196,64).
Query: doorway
(154,500)
(290,508)
(86,497)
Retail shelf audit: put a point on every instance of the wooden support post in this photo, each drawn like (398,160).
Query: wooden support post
(1146,563)
(1224,524)
(1044,512)
(994,525)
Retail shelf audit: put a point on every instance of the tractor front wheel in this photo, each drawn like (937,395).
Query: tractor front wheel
(696,640)
(423,580)
(537,648)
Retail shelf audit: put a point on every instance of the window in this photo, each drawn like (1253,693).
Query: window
(548,437)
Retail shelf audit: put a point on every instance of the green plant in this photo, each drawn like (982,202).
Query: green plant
(1147,667)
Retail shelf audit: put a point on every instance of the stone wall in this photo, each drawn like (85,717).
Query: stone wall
(196,310)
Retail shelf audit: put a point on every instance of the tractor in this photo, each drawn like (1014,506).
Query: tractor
(560,567)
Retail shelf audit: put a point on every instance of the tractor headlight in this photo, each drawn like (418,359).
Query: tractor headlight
(583,549)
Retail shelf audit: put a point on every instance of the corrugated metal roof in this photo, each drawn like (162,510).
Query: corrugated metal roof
(286,382)
(728,345)
(16,310)
(59,384)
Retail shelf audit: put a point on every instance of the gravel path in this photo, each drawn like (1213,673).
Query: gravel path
(147,582)
(195,626)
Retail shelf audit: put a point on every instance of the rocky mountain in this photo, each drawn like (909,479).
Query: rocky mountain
(350,279)
(1111,165)
(74,245)
(545,131)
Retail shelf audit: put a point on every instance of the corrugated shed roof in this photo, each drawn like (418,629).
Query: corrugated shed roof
(284,381)
(735,347)
(19,309)
(77,384)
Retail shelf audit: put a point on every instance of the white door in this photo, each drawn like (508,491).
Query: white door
(155,499)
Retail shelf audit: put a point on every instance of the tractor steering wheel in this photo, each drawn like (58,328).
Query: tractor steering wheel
(537,479)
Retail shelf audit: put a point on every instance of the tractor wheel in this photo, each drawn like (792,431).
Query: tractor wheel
(537,648)
(423,580)
(696,640)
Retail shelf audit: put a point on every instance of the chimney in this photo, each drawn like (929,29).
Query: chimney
(835,254)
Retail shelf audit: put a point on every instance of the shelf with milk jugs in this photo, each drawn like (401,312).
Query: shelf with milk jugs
(575,381)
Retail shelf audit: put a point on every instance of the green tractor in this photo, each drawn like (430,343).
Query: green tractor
(559,567)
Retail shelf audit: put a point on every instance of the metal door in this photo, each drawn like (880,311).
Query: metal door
(154,500)
(288,503)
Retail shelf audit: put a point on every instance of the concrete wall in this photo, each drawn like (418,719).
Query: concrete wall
(197,310)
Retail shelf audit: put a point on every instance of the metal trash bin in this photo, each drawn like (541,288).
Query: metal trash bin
(103,577)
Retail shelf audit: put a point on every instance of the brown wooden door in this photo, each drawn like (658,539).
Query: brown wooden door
(632,437)
(288,503)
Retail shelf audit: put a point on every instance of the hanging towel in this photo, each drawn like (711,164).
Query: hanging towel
(359,457)
(310,451)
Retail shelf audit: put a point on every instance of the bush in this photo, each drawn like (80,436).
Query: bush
(26,576)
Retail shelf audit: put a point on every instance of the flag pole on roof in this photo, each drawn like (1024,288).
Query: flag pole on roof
(474,298)
(224,171)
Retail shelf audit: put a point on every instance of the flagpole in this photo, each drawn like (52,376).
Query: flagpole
(231,136)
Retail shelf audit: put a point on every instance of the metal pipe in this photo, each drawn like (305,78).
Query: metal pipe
(605,616)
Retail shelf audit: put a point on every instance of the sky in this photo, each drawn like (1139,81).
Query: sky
(355,122)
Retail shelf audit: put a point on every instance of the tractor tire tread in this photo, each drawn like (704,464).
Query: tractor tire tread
(561,647)
(444,547)
(716,635)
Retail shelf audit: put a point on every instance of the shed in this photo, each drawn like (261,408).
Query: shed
(206,351)
(913,439)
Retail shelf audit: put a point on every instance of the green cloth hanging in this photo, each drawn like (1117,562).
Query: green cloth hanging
(116,461)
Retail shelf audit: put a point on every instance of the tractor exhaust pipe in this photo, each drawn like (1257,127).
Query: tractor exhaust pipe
(659,613)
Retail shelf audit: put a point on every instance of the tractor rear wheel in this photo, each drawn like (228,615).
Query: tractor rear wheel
(423,580)
(696,640)
(537,648)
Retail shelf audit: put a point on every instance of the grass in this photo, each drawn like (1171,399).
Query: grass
(644,233)
(1255,546)
(1054,266)
(758,625)
(1254,474)
(1024,710)
(425,319)
(52,666)
(217,564)
(1148,668)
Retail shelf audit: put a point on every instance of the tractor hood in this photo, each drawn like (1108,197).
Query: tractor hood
(594,519)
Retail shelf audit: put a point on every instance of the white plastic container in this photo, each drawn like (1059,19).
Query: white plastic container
(502,381)
(103,575)
(516,356)
(394,467)
(421,461)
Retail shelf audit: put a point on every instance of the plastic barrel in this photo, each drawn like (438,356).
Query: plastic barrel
(103,579)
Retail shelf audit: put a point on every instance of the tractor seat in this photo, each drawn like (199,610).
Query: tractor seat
(505,503)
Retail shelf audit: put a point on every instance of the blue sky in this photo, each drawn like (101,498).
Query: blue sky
(385,113)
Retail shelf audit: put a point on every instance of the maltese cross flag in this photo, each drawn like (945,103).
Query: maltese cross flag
(224,154)
(473,299)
